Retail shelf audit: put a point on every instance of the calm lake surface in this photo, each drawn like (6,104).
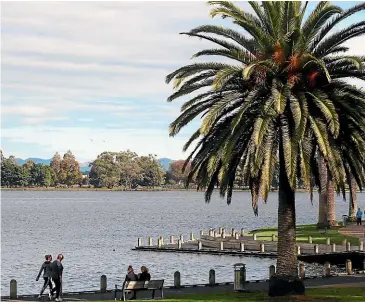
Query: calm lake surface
(96,231)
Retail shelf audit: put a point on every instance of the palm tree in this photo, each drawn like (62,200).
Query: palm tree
(353,198)
(281,94)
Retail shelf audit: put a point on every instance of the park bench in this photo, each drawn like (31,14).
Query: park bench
(129,286)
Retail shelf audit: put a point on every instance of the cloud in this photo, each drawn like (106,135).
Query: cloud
(87,143)
(73,70)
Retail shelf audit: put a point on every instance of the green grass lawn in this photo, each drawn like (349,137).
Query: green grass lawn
(353,294)
(303,231)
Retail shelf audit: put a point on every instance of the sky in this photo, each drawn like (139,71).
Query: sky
(90,76)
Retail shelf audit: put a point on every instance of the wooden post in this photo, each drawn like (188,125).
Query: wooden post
(333,250)
(192,236)
(273,237)
(13,289)
(233,232)
(361,245)
(159,242)
(103,283)
(348,246)
(199,245)
(221,246)
(348,266)
(301,271)
(309,239)
(172,240)
(328,241)
(212,277)
(242,232)
(182,239)
(139,242)
(254,236)
(179,244)
(150,242)
(316,248)
(177,279)
(262,248)
(298,249)
(327,269)
(272,270)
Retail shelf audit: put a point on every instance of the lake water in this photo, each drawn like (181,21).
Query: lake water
(96,230)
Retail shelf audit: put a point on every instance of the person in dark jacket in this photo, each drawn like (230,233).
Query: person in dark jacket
(144,275)
(131,276)
(46,269)
(56,275)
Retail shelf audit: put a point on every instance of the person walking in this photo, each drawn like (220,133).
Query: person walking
(358,217)
(56,274)
(46,269)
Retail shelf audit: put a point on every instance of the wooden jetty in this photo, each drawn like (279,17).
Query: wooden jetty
(220,242)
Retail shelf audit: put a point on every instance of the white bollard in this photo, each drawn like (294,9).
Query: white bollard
(262,248)
(254,236)
(150,242)
(298,249)
(172,241)
(221,246)
(242,247)
(199,245)
(333,249)
(316,248)
(237,236)
(192,236)
(179,244)
(139,242)
(182,239)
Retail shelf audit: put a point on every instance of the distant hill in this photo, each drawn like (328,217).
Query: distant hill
(84,167)
(20,161)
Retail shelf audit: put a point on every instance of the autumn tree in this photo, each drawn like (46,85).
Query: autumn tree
(70,170)
(176,172)
(56,167)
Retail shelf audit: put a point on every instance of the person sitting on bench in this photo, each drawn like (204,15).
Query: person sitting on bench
(144,275)
(131,276)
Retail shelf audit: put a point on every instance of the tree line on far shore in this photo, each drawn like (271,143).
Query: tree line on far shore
(125,170)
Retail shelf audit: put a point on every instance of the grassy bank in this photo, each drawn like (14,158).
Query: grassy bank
(353,294)
(304,231)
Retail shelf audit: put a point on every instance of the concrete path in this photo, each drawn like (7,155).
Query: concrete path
(353,230)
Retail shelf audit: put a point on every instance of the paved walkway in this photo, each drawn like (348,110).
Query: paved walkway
(353,230)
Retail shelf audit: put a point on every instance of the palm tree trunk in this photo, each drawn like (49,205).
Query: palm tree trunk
(353,199)
(323,194)
(331,204)
(286,280)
